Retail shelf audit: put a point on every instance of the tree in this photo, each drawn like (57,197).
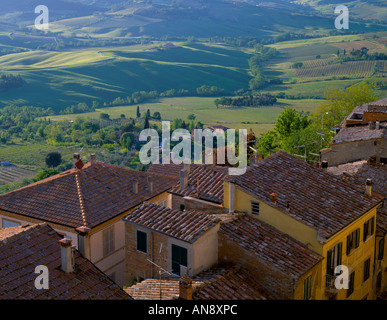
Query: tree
(339,104)
(289,121)
(191,116)
(127,140)
(53,159)
(104,116)
(148,113)
(146,122)
(138,114)
(45,174)
(157,115)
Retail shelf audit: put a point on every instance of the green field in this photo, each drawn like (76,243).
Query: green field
(87,75)
(260,119)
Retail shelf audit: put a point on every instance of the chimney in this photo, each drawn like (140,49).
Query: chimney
(324,165)
(368,188)
(92,158)
(377,125)
(135,187)
(274,197)
(84,241)
(150,183)
(76,157)
(185,288)
(183,179)
(372,125)
(187,166)
(67,255)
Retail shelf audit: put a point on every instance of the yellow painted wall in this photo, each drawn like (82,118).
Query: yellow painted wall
(308,236)
(354,261)
(275,218)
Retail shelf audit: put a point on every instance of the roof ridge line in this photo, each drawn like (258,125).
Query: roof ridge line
(81,203)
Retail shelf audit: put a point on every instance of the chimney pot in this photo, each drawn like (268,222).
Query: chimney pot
(83,240)
(274,197)
(183,179)
(368,188)
(67,255)
(150,183)
(372,125)
(76,157)
(92,158)
(135,187)
(185,288)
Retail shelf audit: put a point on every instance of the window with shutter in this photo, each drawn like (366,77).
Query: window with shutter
(369,228)
(179,258)
(108,241)
(353,241)
(367,265)
(381,249)
(308,288)
(142,241)
(255,208)
(351,284)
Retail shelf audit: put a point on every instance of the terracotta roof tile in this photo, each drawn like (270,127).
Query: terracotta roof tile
(39,245)
(308,194)
(357,173)
(92,195)
(269,244)
(183,225)
(205,183)
(218,283)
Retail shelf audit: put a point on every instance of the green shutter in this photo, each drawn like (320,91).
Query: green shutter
(348,244)
(365,231)
(357,238)
(339,253)
(381,249)
(329,261)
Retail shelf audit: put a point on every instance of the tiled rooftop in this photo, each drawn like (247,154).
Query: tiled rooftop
(269,244)
(359,133)
(89,196)
(28,247)
(308,194)
(357,173)
(218,283)
(205,183)
(184,225)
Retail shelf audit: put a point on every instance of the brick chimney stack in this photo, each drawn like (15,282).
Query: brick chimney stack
(183,179)
(368,187)
(67,255)
(185,288)
(84,241)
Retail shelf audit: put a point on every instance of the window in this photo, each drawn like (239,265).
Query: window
(367,265)
(308,288)
(255,208)
(333,260)
(179,258)
(9,223)
(142,241)
(353,240)
(351,284)
(108,241)
(369,228)
(381,249)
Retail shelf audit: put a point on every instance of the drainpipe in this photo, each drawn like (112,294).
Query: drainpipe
(151,234)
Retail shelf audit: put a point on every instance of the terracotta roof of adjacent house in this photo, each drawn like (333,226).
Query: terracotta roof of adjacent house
(217,283)
(89,196)
(205,182)
(359,133)
(29,247)
(357,173)
(169,170)
(305,193)
(279,250)
(184,225)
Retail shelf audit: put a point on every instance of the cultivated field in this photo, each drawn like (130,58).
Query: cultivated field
(12,174)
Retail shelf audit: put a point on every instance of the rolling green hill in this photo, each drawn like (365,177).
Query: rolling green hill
(84,76)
